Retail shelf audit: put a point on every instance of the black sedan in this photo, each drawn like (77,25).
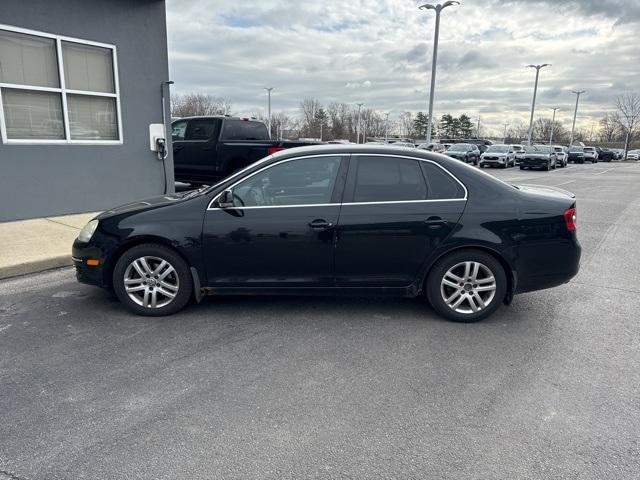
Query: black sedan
(466,152)
(538,156)
(338,219)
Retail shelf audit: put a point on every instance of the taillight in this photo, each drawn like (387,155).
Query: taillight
(570,219)
(272,150)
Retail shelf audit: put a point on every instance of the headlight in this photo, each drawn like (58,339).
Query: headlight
(87,231)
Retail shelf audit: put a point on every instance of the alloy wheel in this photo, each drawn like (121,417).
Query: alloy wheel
(151,282)
(468,287)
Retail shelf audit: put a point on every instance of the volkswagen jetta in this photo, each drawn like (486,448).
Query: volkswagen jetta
(338,219)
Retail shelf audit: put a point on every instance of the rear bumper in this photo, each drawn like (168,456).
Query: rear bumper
(560,265)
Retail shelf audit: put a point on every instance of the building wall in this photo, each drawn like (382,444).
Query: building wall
(45,180)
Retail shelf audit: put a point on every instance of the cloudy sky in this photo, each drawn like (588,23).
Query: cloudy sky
(379,52)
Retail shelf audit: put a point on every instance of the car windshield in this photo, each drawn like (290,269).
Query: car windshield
(589,149)
(558,149)
(498,149)
(460,147)
(576,149)
(542,149)
(517,148)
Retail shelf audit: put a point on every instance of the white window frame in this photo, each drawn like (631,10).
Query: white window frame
(63,91)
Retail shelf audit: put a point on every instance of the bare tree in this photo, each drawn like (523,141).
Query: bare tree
(194,104)
(309,108)
(610,128)
(628,105)
(406,124)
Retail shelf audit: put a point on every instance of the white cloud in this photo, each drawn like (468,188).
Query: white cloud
(380,53)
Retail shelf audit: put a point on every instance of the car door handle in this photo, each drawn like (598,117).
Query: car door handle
(320,224)
(435,222)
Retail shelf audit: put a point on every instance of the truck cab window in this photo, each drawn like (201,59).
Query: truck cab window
(178,129)
(201,129)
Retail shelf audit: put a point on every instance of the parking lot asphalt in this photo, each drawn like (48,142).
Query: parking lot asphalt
(279,387)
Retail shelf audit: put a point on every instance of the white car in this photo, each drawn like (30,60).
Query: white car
(561,155)
(633,155)
(503,156)
(591,154)
(519,151)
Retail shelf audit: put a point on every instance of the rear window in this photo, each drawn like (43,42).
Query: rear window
(388,179)
(244,130)
(440,185)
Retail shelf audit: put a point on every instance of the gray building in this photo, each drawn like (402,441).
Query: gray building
(80,84)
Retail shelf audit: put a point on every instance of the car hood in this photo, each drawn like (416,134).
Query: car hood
(492,154)
(147,204)
(541,156)
(545,191)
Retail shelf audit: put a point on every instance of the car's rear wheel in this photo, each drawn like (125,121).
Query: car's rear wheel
(152,280)
(466,286)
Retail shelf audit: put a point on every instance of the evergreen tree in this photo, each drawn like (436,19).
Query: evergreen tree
(465,126)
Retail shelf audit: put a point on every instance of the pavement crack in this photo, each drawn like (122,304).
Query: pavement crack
(9,476)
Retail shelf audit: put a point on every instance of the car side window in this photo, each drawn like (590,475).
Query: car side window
(306,181)
(178,129)
(201,129)
(388,179)
(440,185)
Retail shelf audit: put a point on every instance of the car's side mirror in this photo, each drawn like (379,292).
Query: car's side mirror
(225,200)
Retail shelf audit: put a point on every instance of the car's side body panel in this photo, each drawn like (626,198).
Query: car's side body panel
(380,246)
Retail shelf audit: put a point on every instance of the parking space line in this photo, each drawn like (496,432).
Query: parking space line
(563,183)
(600,173)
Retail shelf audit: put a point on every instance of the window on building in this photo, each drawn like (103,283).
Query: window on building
(58,90)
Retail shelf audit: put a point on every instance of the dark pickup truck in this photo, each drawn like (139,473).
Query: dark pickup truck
(206,149)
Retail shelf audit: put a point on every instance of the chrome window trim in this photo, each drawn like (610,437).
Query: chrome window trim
(464,199)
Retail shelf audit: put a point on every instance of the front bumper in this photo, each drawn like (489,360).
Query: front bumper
(534,163)
(493,161)
(85,273)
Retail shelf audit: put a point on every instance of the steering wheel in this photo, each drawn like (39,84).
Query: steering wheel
(237,197)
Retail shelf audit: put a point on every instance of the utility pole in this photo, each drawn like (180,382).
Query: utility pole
(358,123)
(504,136)
(438,8)
(535,91)
(386,127)
(268,89)
(553,124)
(575,114)
(478,129)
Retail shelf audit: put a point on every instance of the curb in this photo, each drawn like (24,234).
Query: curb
(35,266)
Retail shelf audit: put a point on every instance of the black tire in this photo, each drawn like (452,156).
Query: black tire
(521,167)
(437,273)
(548,167)
(181,275)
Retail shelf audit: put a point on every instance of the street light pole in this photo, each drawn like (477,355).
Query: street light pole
(535,91)
(268,89)
(478,129)
(575,114)
(504,136)
(553,124)
(438,8)
(386,127)
(358,123)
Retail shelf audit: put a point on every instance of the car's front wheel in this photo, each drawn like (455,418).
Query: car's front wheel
(466,286)
(152,280)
